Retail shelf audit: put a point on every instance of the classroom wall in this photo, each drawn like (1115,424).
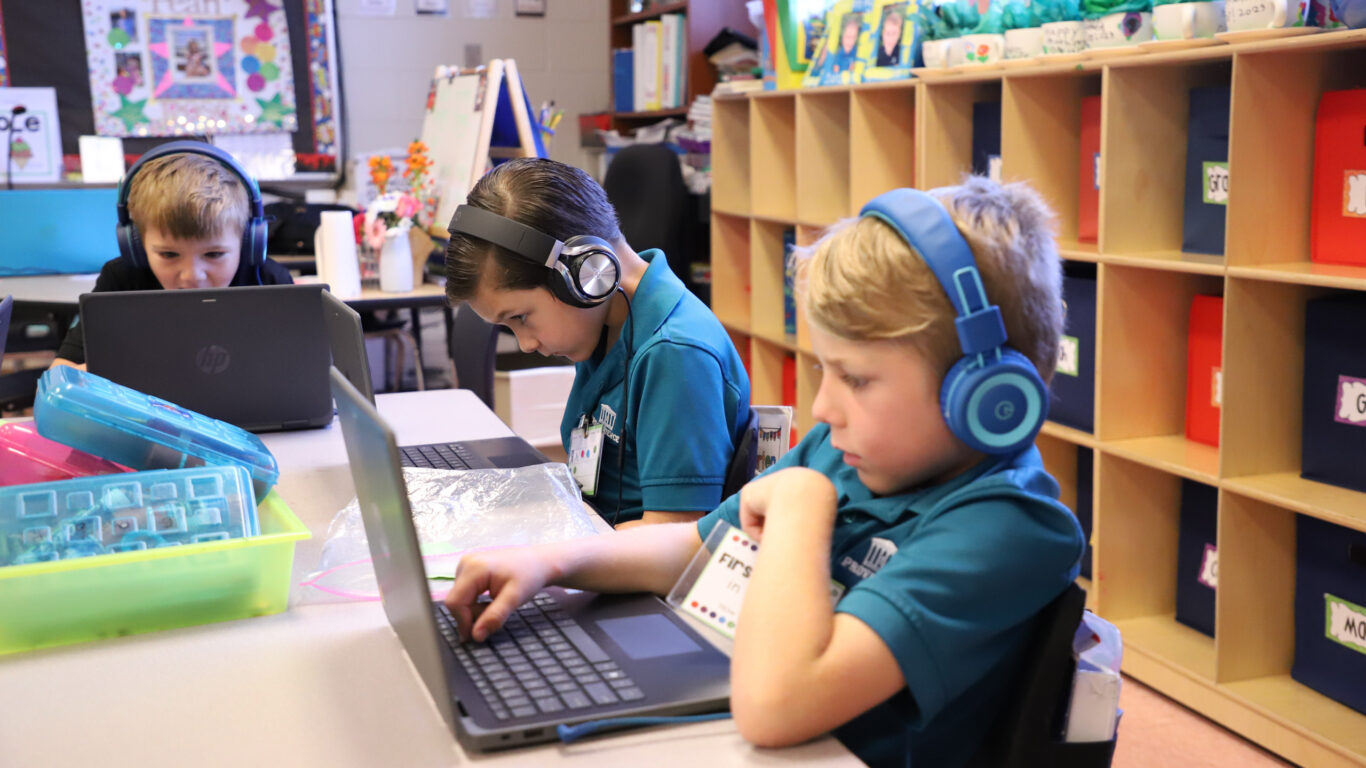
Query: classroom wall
(387,64)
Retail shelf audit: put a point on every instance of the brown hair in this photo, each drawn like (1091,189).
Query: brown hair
(187,196)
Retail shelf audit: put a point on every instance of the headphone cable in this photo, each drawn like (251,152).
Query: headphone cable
(630,333)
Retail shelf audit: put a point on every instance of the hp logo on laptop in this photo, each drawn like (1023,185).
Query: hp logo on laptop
(212,359)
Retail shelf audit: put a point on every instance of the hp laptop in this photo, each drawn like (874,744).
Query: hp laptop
(254,356)
(347,340)
(565,657)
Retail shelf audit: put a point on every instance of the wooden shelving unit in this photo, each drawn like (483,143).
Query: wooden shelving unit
(703,19)
(807,159)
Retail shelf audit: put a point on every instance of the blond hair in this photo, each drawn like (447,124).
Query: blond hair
(188,197)
(862,282)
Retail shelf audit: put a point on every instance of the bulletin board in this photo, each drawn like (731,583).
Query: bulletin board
(151,71)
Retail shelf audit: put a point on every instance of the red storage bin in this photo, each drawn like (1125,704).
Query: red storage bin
(1338,226)
(1204,369)
(1088,197)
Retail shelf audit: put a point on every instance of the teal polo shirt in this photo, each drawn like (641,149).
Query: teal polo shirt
(951,578)
(689,402)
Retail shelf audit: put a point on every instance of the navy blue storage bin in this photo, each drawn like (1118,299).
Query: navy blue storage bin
(1206,171)
(1085,463)
(1073,400)
(1330,610)
(1334,420)
(1197,569)
(986,137)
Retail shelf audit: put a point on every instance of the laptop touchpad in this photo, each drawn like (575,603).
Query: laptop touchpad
(648,636)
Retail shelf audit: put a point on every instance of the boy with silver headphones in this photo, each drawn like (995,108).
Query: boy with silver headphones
(660,397)
(920,503)
(189,217)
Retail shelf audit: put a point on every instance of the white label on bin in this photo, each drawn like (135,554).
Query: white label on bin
(1095,169)
(1209,567)
(1346,622)
(1216,388)
(1069,356)
(1216,183)
(994,168)
(1351,401)
(1354,194)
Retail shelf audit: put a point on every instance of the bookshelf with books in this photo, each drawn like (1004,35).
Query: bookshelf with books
(801,160)
(681,29)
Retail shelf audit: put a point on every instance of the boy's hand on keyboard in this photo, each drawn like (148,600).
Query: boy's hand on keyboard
(510,576)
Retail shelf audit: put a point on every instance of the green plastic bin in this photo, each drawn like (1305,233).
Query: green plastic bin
(72,601)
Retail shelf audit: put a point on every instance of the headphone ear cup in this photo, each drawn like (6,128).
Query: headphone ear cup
(589,270)
(254,242)
(558,285)
(995,408)
(130,246)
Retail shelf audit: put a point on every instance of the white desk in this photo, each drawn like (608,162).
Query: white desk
(318,685)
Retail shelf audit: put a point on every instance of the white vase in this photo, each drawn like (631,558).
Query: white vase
(396,262)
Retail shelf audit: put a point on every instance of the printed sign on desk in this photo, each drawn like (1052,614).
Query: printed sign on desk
(28,120)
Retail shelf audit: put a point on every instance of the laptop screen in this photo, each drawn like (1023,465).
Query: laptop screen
(383,496)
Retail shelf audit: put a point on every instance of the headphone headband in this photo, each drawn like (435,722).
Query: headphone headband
(514,236)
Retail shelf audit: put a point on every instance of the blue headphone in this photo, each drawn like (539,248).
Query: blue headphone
(253,236)
(993,398)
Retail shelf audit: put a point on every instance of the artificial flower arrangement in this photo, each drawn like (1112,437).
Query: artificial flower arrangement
(392,213)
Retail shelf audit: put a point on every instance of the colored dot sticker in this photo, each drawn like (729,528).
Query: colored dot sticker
(251,65)
(694,603)
(269,71)
(732,625)
(713,614)
(754,547)
(256,82)
(265,51)
(249,45)
(734,538)
(722,619)
(263,32)
(118,38)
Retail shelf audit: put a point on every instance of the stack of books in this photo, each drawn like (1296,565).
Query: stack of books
(652,74)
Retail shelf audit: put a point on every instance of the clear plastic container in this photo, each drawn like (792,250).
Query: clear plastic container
(123,425)
(130,512)
(28,457)
(71,601)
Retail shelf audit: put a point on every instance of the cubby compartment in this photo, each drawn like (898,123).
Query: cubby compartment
(1041,138)
(808,383)
(1073,466)
(772,156)
(766,372)
(881,143)
(767,257)
(730,156)
(730,275)
(1276,96)
(1141,368)
(823,150)
(1256,636)
(1264,343)
(1136,539)
(943,141)
(1146,117)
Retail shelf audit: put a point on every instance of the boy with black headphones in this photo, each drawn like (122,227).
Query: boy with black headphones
(660,397)
(919,504)
(189,217)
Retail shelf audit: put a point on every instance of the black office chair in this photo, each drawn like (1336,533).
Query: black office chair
(473,346)
(645,184)
(746,457)
(1028,733)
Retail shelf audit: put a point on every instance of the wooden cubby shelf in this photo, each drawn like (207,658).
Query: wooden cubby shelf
(806,159)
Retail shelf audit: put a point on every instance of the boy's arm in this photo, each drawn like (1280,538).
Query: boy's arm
(646,559)
(798,669)
(650,517)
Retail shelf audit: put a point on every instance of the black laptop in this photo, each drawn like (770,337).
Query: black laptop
(254,356)
(566,657)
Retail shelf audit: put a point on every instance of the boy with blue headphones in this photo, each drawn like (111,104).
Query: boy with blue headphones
(660,397)
(919,503)
(188,217)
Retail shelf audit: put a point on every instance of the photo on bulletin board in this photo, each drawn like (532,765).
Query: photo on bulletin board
(888,47)
(836,61)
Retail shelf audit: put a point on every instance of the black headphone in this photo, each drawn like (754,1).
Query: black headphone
(253,253)
(582,271)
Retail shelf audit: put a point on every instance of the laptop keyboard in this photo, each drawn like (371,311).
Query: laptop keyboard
(436,456)
(540,663)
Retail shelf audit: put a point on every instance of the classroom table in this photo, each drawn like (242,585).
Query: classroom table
(60,295)
(322,684)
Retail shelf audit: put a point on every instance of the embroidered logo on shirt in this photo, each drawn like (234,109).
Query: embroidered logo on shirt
(879,552)
(608,419)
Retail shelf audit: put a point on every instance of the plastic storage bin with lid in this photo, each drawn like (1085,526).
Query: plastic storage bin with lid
(28,457)
(96,415)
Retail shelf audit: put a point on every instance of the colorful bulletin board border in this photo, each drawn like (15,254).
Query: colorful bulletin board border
(4,56)
(322,82)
